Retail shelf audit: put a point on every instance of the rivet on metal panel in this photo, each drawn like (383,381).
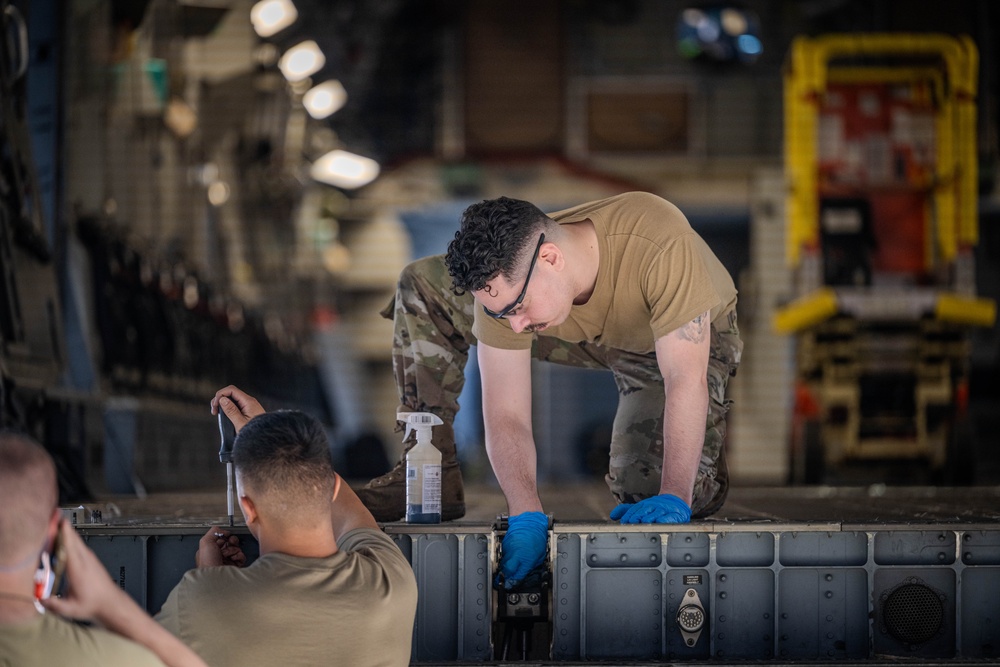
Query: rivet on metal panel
(829,577)
(722,595)
(623,558)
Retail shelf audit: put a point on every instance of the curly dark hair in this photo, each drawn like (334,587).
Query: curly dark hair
(493,238)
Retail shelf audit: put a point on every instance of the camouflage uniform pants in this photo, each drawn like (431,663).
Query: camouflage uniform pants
(431,340)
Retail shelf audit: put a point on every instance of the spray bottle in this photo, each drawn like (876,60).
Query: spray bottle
(423,469)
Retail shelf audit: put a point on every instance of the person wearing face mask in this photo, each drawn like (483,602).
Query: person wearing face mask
(621,284)
(38,629)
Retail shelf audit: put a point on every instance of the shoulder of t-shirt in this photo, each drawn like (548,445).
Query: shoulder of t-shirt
(635,214)
(365,538)
(111,649)
(373,544)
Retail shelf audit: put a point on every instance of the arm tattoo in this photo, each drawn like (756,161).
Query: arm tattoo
(694,330)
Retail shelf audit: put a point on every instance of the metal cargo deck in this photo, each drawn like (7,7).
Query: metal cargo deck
(804,574)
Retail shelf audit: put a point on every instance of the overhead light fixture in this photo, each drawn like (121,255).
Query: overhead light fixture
(269,17)
(326,98)
(719,33)
(301,61)
(344,170)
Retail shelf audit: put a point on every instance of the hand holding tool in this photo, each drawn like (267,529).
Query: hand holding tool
(523,546)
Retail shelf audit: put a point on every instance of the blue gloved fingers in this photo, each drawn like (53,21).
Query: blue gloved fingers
(664,508)
(620,510)
(523,547)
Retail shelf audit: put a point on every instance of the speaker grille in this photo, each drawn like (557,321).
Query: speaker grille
(913,613)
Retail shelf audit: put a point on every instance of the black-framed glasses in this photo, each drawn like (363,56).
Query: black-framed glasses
(520,297)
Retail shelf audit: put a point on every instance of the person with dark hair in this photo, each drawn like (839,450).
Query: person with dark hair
(623,284)
(329,587)
(35,629)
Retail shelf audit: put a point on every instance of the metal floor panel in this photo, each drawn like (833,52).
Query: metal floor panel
(591,502)
(809,574)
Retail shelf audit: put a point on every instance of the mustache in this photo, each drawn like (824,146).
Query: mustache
(531,328)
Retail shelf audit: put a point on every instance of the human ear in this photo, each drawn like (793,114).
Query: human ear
(336,487)
(249,510)
(52,530)
(552,254)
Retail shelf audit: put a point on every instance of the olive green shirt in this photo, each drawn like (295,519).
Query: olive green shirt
(655,275)
(48,640)
(355,608)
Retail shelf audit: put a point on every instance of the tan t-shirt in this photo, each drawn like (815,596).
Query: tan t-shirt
(49,640)
(656,274)
(355,608)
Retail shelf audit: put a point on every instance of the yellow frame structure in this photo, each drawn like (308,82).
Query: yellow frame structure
(811,68)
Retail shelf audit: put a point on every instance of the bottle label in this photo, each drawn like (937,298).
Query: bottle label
(432,489)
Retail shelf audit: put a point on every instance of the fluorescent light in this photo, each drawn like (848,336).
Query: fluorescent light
(301,60)
(269,17)
(218,193)
(344,170)
(322,100)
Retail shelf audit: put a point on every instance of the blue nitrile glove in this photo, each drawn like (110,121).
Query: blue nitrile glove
(665,508)
(523,547)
